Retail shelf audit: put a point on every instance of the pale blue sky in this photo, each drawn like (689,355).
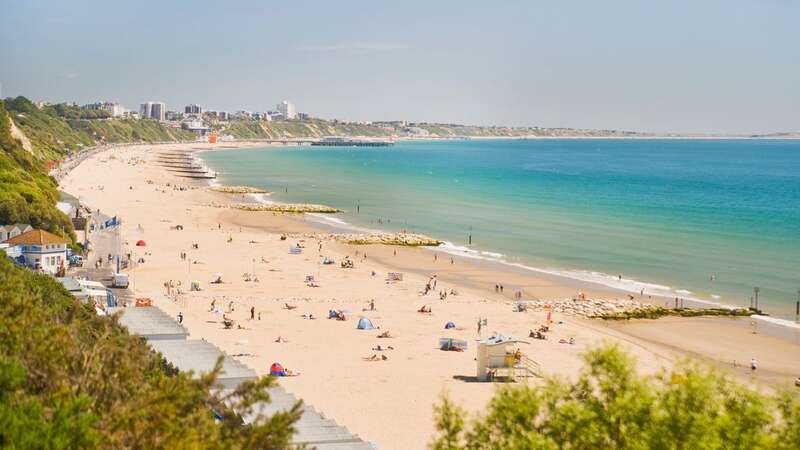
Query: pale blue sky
(709,66)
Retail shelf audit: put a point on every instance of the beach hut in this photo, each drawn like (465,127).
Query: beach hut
(449,325)
(501,354)
(277,370)
(140,243)
(365,324)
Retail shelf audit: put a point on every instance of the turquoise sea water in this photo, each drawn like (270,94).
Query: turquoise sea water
(667,215)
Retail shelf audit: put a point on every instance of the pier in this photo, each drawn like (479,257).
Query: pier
(350,142)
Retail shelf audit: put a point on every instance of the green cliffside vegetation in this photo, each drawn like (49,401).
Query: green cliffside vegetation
(312,128)
(55,130)
(317,128)
(27,193)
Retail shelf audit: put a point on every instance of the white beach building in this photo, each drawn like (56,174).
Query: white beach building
(41,250)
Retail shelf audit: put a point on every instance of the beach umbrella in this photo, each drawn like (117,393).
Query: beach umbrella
(140,243)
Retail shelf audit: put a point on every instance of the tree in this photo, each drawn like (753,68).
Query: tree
(611,406)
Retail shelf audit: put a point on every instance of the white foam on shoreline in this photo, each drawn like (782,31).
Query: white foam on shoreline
(615,282)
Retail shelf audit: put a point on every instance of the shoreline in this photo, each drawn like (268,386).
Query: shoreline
(577,278)
(377,400)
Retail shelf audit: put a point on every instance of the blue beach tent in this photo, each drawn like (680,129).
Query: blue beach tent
(449,325)
(365,324)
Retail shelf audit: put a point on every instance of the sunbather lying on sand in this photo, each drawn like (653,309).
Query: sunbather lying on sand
(288,306)
(376,358)
(309,316)
(281,340)
(425,309)
(380,349)
(537,335)
(385,334)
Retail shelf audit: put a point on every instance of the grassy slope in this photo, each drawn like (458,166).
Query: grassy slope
(27,193)
(53,136)
(316,128)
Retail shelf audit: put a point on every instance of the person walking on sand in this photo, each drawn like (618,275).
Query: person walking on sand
(180,317)
(753,365)
(252,312)
(480,323)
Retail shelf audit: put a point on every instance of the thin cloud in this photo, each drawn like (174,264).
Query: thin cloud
(354,47)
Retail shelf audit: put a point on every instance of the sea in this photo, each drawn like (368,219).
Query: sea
(703,219)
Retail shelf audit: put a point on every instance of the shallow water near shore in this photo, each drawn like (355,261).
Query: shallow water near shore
(705,219)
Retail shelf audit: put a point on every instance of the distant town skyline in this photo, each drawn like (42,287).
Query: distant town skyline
(714,67)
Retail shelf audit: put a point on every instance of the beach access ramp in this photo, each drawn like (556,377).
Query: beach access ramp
(166,336)
(150,323)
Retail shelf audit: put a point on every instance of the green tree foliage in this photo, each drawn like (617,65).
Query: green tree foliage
(71,379)
(27,193)
(611,406)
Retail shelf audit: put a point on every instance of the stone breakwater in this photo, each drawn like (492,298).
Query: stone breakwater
(293,208)
(586,308)
(401,239)
(238,190)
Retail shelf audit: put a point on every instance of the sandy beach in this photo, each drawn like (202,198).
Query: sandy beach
(387,401)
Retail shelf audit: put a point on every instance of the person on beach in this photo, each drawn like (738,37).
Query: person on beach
(480,323)
(753,365)
(372,305)
(252,312)
(180,317)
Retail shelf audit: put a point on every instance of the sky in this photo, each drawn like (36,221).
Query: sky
(667,66)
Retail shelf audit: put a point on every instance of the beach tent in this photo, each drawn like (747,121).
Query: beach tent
(449,325)
(277,370)
(365,324)
(140,243)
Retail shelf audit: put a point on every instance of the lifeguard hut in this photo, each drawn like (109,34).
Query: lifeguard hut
(500,357)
